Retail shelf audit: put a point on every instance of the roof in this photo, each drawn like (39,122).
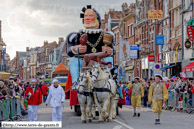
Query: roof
(21,54)
(60,70)
(61,67)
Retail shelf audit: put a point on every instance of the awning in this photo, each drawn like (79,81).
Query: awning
(188,68)
(167,67)
(129,68)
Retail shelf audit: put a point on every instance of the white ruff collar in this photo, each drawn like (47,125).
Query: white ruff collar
(91,31)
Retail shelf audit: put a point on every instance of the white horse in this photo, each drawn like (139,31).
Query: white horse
(85,96)
(108,75)
(104,91)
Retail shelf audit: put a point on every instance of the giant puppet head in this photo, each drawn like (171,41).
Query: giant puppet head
(91,18)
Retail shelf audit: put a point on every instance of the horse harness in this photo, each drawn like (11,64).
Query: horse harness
(108,89)
(85,93)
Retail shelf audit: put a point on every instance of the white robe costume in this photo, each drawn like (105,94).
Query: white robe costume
(56,97)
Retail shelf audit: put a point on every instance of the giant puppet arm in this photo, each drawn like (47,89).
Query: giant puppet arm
(97,57)
(73,44)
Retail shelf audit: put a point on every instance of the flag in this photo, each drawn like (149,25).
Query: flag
(68,86)
(176,54)
(182,74)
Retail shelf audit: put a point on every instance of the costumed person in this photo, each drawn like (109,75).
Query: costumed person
(56,97)
(115,77)
(157,95)
(44,91)
(87,41)
(137,94)
(112,69)
(34,96)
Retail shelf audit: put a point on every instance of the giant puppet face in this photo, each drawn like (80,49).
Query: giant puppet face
(90,19)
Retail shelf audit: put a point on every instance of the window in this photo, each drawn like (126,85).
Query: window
(47,51)
(124,29)
(129,31)
(34,56)
(187,3)
(106,25)
(132,30)
(166,8)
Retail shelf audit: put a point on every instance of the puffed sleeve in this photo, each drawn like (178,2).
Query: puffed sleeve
(130,85)
(142,90)
(113,42)
(150,93)
(165,93)
(72,40)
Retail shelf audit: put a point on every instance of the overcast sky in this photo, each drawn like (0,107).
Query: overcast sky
(27,23)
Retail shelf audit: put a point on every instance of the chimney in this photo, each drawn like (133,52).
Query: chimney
(27,48)
(0,31)
(45,43)
(60,40)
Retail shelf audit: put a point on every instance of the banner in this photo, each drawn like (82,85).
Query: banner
(124,50)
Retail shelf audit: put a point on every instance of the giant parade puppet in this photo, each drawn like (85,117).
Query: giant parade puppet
(90,44)
(87,41)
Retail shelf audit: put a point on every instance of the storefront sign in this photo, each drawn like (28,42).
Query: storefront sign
(151,58)
(133,54)
(154,14)
(190,29)
(134,47)
(187,44)
(159,57)
(159,39)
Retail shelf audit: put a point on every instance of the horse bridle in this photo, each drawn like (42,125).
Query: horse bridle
(97,75)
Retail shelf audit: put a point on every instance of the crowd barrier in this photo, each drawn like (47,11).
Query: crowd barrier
(180,100)
(10,109)
(176,101)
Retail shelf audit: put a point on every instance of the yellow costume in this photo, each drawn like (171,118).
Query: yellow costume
(137,93)
(157,94)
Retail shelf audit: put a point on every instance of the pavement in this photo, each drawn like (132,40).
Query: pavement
(169,120)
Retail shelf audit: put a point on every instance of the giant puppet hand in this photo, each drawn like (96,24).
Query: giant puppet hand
(82,47)
(107,49)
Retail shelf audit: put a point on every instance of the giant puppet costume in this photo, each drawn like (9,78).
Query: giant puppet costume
(157,95)
(137,94)
(87,41)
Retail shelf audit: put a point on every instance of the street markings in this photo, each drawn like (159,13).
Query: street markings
(117,127)
(123,124)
